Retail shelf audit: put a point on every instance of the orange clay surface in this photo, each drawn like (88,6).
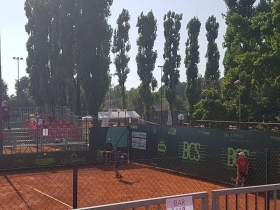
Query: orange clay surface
(97,185)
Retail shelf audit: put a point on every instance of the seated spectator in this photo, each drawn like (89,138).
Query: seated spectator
(3,102)
(39,120)
(51,118)
(45,123)
(36,114)
(34,117)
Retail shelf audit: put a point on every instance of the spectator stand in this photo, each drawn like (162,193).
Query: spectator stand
(61,135)
(17,141)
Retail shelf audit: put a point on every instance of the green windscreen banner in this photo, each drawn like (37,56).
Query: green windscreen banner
(44,159)
(204,152)
(99,136)
(198,152)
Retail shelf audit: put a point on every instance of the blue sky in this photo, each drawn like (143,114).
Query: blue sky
(14,37)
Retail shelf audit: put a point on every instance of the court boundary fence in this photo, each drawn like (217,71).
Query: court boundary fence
(216,194)
(152,201)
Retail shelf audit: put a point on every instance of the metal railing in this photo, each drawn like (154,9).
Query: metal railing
(151,202)
(204,199)
(216,194)
(20,114)
(45,139)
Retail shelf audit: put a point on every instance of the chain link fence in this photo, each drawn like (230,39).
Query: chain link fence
(95,183)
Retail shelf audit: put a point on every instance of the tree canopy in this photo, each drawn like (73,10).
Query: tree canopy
(191,62)
(146,58)
(172,59)
(68,48)
(69,45)
(120,48)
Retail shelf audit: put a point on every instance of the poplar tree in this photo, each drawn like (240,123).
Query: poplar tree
(146,58)
(57,80)
(212,73)
(69,44)
(92,49)
(172,26)
(71,82)
(37,27)
(191,63)
(121,47)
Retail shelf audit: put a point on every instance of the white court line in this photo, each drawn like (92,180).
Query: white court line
(50,196)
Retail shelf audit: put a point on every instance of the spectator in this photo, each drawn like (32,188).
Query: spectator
(6,114)
(242,164)
(36,114)
(34,117)
(51,118)
(39,120)
(108,150)
(46,123)
(3,102)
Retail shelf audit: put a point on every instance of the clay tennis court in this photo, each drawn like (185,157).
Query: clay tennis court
(97,185)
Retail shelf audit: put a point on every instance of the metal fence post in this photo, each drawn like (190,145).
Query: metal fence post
(36,136)
(128,142)
(267,152)
(75,185)
(215,201)
(205,203)
(87,138)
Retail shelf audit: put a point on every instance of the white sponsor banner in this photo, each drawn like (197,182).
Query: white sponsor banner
(179,203)
(45,132)
(138,143)
(139,135)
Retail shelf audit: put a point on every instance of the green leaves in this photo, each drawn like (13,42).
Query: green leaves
(210,106)
(252,42)
(93,42)
(172,26)
(212,73)
(191,62)
(146,58)
(120,48)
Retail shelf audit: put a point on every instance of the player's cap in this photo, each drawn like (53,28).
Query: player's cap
(109,139)
(241,153)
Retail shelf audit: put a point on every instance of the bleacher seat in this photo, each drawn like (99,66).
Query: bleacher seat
(57,130)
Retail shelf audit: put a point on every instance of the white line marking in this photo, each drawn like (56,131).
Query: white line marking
(50,196)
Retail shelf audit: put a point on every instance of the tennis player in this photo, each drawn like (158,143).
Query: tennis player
(242,164)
